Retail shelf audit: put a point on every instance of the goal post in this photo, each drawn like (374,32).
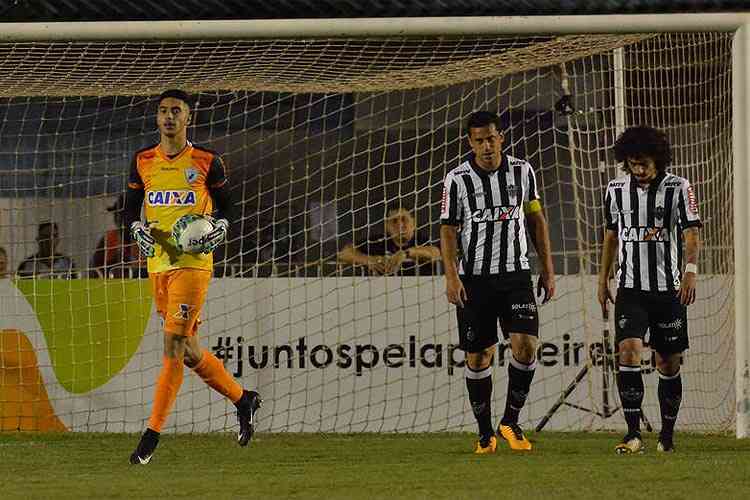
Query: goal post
(327,125)
(741,155)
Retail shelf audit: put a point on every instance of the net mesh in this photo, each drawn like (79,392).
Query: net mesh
(323,138)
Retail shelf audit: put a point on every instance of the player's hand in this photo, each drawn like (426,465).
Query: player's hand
(604,295)
(376,265)
(142,235)
(687,289)
(217,236)
(547,283)
(393,264)
(455,291)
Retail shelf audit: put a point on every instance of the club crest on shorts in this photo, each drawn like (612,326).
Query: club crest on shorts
(191,175)
(184,311)
(622,322)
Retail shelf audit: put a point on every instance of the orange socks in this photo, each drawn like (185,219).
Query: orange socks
(212,371)
(167,385)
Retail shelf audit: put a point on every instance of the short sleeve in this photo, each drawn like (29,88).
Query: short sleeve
(532,202)
(532,193)
(451,212)
(610,217)
(134,177)
(687,207)
(217,173)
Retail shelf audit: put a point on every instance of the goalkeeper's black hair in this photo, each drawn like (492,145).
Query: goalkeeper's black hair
(643,141)
(481,119)
(177,94)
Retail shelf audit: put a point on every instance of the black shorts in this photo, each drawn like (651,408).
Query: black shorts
(658,312)
(508,298)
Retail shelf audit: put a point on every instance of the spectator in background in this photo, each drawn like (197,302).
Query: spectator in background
(3,263)
(401,251)
(113,256)
(48,262)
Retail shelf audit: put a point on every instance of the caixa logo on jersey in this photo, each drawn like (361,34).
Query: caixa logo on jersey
(496,214)
(644,234)
(170,198)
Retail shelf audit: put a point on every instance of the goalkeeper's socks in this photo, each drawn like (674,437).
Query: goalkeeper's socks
(630,385)
(479,385)
(670,397)
(213,373)
(167,386)
(520,376)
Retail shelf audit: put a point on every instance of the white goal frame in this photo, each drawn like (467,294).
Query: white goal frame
(738,23)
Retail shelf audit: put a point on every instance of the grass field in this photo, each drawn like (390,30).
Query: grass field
(328,466)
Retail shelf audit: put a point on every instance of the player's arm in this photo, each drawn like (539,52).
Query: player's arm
(605,268)
(690,275)
(454,288)
(690,221)
(539,233)
(450,220)
(609,249)
(225,207)
(131,216)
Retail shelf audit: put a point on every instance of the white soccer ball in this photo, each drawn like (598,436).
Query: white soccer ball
(190,232)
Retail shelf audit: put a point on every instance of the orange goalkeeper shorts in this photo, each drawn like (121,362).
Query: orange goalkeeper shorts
(179,295)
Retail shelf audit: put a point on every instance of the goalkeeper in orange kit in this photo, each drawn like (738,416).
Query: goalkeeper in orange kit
(169,180)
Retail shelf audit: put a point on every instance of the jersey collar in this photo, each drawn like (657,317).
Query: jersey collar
(188,147)
(652,186)
(482,172)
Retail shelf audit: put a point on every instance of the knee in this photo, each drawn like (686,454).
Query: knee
(668,365)
(478,360)
(629,353)
(525,350)
(630,357)
(192,357)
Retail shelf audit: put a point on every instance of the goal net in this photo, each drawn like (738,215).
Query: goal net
(323,139)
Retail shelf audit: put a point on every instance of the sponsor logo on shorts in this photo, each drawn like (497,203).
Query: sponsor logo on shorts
(170,198)
(635,233)
(496,214)
(184,311)
(672,325)
(521,307)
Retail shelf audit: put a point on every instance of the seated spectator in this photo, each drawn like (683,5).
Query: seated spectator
(48,262)
(399,252)
(113,256)
(3,263)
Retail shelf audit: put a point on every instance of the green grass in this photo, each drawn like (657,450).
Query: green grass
(389,466)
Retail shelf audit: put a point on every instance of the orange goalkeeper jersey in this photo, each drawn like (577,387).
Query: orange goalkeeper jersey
(175,187)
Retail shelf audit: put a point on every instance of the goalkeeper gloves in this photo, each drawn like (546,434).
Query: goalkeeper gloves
(142,235)
(217,236)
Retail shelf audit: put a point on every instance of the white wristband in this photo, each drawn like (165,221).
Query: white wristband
(691,268)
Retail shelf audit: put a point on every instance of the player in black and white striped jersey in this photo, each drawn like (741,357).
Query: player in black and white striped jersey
(492,197)
(649,211)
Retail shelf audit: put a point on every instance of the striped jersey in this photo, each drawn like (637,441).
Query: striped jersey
(490,208)
(649,224)
(176,186)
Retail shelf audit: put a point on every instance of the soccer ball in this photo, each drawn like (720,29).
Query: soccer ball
(190,232)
